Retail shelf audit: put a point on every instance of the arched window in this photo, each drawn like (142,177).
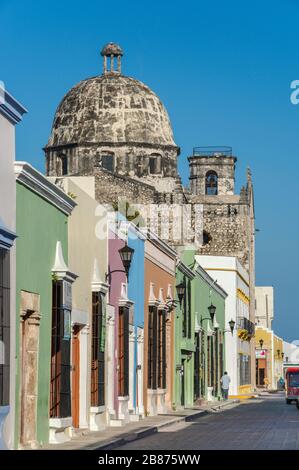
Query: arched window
(211,183)
(154,164)
(107,161)
(206,238)
(62,165)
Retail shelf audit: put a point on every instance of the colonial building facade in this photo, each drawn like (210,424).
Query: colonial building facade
(11,113)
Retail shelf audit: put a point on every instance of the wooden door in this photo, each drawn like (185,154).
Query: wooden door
(183,383)
(76,376)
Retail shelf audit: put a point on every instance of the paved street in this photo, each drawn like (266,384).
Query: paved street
(265,423)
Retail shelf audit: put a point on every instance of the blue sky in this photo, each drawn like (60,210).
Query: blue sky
(223,70)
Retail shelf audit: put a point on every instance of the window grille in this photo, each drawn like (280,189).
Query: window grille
(162,349)
(123,351)
(60,388)
(97,351)
(4,326)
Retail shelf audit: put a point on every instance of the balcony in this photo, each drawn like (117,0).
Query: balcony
(244,324)
(210,151)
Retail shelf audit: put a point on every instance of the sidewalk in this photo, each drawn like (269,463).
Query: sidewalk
(113,437)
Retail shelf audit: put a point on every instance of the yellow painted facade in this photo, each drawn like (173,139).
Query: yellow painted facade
(264,378)
(278,359)
(271,368)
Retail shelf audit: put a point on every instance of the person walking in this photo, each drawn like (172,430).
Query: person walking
(225,381)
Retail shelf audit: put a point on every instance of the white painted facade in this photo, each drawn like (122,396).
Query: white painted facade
(234,279)
(291,353)
(264,306)
(10,114)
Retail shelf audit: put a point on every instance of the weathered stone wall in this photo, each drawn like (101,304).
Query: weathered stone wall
(226,229)
(126,160)
(109,188)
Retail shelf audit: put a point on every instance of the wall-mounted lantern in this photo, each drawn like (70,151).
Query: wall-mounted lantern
(126,254)
(212,311)
(181,289)
(232,325)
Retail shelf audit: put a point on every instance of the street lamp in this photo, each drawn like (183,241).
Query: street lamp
(278,352)
(126,255)
(232,325)
(212,311)
(261,341)
(181,288)
(282,355)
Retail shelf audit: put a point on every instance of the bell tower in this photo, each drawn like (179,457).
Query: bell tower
(212,171)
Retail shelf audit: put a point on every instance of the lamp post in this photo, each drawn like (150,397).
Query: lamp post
(181,289)
(212,311)
(126,255)
(261,341)
(232,325)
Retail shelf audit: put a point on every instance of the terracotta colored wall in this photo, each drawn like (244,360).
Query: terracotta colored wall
(161,278)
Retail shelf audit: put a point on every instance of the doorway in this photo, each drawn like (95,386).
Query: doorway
(197,366)
(260,372)
(183,382)
(76,376)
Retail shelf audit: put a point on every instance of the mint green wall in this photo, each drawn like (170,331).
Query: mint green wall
(182,345)
(39,226)
(202,297)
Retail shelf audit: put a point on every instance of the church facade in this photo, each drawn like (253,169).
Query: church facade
(116,129)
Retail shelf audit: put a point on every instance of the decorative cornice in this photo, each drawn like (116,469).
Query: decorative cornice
(60,268)
(185,270)
(7,237)
(242,296)
(210,332)
(170,301)
(38,183)
(155,240)
(10,107)
(124,301)
(152,300)
(162,304)
(229,270)
(97,285)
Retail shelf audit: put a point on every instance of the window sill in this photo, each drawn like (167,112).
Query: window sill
(97,409)
(60,423)
(125,398)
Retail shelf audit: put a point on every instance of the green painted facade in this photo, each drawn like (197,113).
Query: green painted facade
(39,226)
(184,347)
(201,355)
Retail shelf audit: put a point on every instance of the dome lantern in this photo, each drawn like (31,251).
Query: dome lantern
(112,51)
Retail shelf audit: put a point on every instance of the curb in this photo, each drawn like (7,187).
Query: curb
(134,436)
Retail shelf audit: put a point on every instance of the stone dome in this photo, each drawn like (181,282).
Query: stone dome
(111,108)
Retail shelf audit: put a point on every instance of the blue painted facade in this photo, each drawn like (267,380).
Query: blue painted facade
(136,289)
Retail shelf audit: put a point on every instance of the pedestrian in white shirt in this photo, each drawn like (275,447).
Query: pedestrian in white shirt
(225,381)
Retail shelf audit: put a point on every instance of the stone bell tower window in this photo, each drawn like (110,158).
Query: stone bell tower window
(211,183)
(154,164)
(107,161)
(62,165)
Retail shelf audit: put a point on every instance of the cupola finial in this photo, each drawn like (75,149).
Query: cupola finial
(112,51)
